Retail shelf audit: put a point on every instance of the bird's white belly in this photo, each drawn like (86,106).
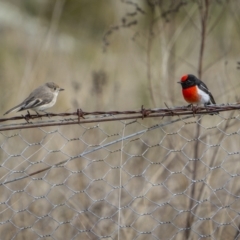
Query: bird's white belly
(204,97)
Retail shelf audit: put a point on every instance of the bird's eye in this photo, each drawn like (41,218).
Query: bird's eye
(55,89)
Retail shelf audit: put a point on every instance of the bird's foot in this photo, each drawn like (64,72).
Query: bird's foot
(207,106)
(48,114)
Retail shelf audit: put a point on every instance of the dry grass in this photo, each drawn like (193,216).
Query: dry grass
(144,186)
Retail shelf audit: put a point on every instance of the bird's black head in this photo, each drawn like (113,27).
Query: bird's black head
(188,80)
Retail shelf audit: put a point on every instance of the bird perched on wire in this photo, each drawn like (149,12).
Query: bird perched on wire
(195,91)
(40,99)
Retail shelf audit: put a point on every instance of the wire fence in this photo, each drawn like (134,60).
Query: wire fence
(169,173)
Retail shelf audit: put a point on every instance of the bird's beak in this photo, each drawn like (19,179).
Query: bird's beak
(61,89)
(179,82)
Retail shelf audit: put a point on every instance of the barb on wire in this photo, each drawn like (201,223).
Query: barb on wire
(144,112)
(80,114)
(168,108)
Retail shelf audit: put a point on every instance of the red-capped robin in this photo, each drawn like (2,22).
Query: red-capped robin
(195,91)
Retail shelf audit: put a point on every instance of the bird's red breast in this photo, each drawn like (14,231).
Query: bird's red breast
(191,94)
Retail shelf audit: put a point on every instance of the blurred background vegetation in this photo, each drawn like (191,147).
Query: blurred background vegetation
(107,54)
(119,55)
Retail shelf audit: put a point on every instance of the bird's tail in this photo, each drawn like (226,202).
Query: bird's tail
(14,109)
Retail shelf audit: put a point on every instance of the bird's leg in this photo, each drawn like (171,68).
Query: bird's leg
(38,114)
(48,114)
(194,109)
(207,108)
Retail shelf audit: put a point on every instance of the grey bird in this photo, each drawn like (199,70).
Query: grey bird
(40,99)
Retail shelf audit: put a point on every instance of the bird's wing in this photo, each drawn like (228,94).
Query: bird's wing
(211,98)
(33,102)
(30,103)
(204,88)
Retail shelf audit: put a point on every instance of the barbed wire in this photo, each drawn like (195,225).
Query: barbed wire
(103,116)
(108,116)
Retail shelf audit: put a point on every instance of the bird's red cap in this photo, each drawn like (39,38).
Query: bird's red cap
(184,78)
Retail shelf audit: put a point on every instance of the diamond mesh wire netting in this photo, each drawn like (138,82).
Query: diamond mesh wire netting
(123,180)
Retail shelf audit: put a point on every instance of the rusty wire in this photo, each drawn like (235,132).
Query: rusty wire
(104,116)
